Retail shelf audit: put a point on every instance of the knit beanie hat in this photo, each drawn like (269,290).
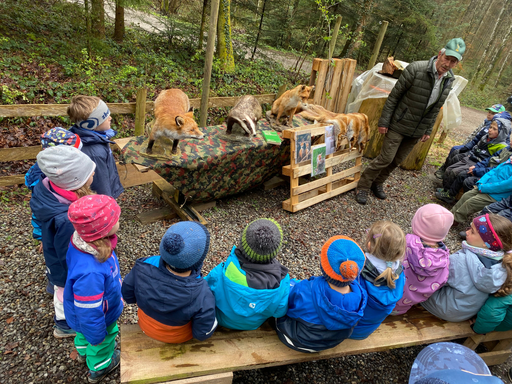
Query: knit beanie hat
(185,245)
(66,167)
(432,222)
(341,260)
(93,216)
(261,241)
(60,136)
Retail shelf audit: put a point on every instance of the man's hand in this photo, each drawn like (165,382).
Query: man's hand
(470,170)
(424,138)
(383,130)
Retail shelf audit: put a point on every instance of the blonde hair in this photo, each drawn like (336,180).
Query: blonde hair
(81,107)
(503,228)
(386,241)
(84,190)
(104,249)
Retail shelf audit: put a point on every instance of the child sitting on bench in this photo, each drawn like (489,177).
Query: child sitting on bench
(323,310)
(251,285)
(175,302)
(382,277)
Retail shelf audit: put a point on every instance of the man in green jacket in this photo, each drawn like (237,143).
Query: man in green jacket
(409,114)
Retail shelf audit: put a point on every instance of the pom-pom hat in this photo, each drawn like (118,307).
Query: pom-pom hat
(261,241)
(185,245)
(432,222)
(93,216)
(341,260)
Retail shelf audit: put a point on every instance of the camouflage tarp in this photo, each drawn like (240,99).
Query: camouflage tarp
(216,166)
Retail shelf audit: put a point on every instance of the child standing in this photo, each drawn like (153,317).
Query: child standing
(92,123)
(382,277)
(475,271)
(427,259)
(183,305)
(251,285)
(68,174)
(92,297)
(323,310)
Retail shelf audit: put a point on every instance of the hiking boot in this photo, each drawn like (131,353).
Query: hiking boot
(446,197)
(439,173)
(378,191)
(362,196)
(81,359)
(61,333)
(97,376)
(462,235)
(50,288)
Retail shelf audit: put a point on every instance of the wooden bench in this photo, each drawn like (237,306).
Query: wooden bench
(144,360)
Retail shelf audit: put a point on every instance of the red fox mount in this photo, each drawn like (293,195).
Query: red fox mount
(173,119)
(246,113)
(353,126)
(288,103)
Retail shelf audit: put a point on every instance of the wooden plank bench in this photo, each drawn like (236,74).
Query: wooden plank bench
(144,360)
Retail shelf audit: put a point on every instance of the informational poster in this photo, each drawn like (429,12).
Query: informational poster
(330,140)
(318,159)
(303,147)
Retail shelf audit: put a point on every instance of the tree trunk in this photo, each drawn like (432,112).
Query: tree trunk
(98,19)
(259,29)
(88,27)
(495,58)
(203,22)
(367,8)
(224,43)
(119,23)
(505,62)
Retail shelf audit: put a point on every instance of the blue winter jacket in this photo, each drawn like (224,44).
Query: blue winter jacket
(51,210)
(502,208)
(486,165)
(497,183)
(92,295)
(381,302)
(319,317)
(32,177)
(97,147)
(241,307)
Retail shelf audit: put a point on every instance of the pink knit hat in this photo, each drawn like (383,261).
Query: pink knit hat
(432,222)
(94,216)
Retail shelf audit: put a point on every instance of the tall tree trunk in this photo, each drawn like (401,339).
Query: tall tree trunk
(361,25)
(119,23)
(224,42)
(88,27)
(505,62)
(259,29)
(164,7)
(494,59)
(203,23)
(98,19)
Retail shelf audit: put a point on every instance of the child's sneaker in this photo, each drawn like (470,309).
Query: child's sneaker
(61,333)
(97,376)
(49,288)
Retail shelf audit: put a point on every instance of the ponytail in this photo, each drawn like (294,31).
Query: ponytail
(389,276)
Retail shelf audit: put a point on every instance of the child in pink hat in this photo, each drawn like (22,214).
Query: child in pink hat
(427,259)
(92,295)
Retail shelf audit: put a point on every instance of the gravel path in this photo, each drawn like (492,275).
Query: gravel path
(30,353)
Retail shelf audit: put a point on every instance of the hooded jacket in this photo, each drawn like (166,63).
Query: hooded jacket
(32,177)
(381,300)
(426,270)
(473,277)
(92,295)
(172,308)
(502,208)
(240,306)
(486,165)
(486,147)
(483,129)
(497,183)
(406,110)
(495,315)
(51,210)
(97,147)
(319,317)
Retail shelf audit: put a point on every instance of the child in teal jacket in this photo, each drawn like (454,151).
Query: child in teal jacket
(251,285)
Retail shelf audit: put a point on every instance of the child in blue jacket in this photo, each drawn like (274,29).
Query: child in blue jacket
(382,277)
(92,296)
(251,285)
(92,123)
(323,311)
(175,302)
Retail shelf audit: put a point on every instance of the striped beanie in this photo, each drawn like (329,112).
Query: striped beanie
(261,241)
(341,260)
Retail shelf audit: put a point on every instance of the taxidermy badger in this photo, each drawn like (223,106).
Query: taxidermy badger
(173,118)
(245,113)
(291,101)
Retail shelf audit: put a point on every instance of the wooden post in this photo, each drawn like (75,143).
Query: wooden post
(376,48)
(140,112)
(334,36)
(208,60)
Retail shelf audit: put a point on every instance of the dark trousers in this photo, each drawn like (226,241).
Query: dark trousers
(454,170)
(463,180)
(395,149)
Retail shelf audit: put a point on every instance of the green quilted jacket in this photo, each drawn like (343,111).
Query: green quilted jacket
(495,315)
(405,111)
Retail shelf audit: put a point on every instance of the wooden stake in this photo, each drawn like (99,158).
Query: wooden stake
(334,36)
(208,60)
(140,112)
(376,48)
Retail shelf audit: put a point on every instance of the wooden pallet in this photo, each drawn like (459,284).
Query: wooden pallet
(309,193)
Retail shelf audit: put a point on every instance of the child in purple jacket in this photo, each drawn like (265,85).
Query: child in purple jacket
(426,258)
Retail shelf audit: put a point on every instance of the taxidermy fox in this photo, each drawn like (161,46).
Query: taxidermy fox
(353,126)
(290,101)
(245,113)
(173,118)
